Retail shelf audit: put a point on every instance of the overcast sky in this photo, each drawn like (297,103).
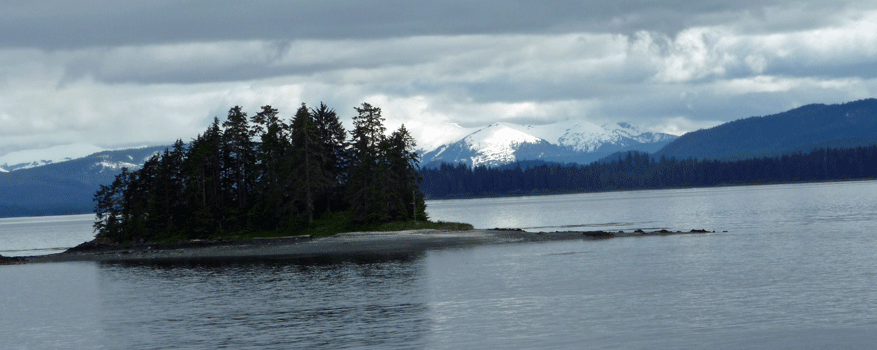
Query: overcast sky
(118,74)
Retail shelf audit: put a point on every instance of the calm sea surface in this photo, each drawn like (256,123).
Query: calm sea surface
(796,269)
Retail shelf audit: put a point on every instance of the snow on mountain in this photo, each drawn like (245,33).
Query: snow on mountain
(583,136)
(497,143)
(114,161)
(494,144)
(67,186)
(429,139)
(108,165)
(34,158)
(569,141)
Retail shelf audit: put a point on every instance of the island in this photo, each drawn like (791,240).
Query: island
(253,188)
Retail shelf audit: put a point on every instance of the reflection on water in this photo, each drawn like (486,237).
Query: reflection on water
(265,304)
(795,271)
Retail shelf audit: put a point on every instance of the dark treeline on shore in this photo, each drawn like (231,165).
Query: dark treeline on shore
(262,174)
(638,171)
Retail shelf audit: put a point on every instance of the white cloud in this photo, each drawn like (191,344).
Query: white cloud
(680,125)
(730,63)
(694,54)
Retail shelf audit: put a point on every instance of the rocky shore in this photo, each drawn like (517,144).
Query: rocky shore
(11,260)
(345,244)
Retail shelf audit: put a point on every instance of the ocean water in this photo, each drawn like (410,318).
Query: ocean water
(28,236)
(795,270)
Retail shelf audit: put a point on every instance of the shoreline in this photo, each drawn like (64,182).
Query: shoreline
(353,244)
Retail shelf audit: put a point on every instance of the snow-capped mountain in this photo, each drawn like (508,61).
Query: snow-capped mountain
(495,144)
(39,157)
(587,138)
(567,142)
(65,187)
(104,160)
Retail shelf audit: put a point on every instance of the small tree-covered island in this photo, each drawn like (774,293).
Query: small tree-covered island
(262,176)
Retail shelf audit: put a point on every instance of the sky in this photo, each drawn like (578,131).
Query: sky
(121,74)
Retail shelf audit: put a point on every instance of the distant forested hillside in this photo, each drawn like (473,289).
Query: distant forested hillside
(65,187)
(810,127)
(638,171)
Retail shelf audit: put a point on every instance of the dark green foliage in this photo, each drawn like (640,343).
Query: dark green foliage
(203,182)
(367,182)
(308,163)
(274,181)
(384,183)
(251,176)
(333,140)
(239,162)
(636,171)
(402,177)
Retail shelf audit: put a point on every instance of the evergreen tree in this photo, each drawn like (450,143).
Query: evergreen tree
(308,164)
(405,200)
(366,186)
(333,139)
(203,183)
(111,209)
(167,194)
(272,182)
(224,182)
(239,163)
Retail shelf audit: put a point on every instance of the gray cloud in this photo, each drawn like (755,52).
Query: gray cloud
(119,74)
(58,24)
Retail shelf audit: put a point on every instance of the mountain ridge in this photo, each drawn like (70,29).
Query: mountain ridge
(812,124)
(38,157)
(65,187)
(564,142)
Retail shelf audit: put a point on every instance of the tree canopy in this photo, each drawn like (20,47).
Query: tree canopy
(266,174)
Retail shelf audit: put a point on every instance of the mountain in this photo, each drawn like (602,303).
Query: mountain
(65,187)
(34,158)
(564,142)
(801,129)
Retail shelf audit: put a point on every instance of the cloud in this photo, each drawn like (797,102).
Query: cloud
(55,24)
(121,74)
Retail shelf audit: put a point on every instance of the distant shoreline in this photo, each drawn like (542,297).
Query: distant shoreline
(341,245)
(538,193)
(543,193)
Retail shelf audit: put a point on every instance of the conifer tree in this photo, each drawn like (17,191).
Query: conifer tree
(333,140)
(167,192)
(111,208)
(239,162)
(308,162)
(272,157)
(405,200)
(366,186)
(224,182)
(203,185)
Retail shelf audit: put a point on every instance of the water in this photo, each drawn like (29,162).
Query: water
(44,235)
(773,209)
(795,270)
